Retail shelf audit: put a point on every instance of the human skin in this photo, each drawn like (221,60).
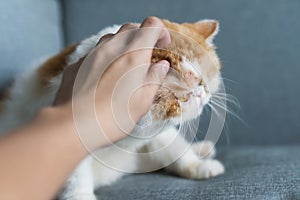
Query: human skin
(35,160)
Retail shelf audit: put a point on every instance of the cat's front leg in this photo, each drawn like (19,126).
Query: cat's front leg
(79,185)
(196,169)
(188,160)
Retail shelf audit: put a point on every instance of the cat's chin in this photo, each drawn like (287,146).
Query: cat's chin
(185,117)
(191,111)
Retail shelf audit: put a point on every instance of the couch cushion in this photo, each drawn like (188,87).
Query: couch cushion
(259,48)
(264,173)
(29,30)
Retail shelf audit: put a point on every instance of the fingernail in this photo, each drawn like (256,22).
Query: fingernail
(165,67)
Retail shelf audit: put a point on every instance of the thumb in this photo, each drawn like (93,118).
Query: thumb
(155,76)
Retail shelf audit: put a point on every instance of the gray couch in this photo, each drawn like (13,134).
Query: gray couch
(259,47)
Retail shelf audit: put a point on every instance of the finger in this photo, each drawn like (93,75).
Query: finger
(105,38)
(153,33)
(155,76)
(124,37)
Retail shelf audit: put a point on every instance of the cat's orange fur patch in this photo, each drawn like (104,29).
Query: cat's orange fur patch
(188,40)
(55,65)
(51,68)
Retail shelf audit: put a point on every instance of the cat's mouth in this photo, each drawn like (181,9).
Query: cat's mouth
(188,96)
(170,103)
(192,101)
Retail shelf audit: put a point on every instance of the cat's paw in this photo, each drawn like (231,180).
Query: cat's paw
(203,169)
(204,149)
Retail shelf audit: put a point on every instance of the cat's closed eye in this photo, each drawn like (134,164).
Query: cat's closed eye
(202,83)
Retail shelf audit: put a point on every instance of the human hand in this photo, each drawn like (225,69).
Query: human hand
(115,84)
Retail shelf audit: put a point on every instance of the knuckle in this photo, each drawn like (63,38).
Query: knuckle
(130,24)
(152,20)
(105,37)
(127,26)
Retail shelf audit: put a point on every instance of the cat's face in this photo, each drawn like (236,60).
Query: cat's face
(194,74)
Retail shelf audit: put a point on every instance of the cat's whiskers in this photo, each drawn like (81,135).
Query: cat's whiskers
(227,79)
(217,102)
(215,110)
(189,129)
(226,128)
(228,98)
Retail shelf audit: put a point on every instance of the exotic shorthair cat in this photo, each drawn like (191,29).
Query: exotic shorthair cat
(185,99)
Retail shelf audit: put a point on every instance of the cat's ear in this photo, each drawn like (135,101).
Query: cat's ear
(208,28)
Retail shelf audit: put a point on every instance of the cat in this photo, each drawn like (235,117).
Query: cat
(183,94)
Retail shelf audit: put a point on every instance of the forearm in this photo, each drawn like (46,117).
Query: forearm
(36,160)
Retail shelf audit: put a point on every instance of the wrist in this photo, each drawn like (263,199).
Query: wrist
(56,117)
(58,122)
(83,133)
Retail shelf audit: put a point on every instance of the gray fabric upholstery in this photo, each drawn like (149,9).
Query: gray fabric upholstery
(259,48)
(30,30)
(258,173)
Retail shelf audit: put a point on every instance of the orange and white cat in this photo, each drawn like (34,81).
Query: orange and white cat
(187,88)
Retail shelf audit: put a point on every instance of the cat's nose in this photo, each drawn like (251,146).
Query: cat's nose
(199,91)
